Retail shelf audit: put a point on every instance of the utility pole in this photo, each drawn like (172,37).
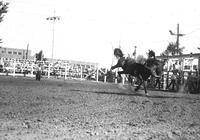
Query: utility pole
(177,41)
(177,36)
(177,46)
(53,18)
(112,54)
(198,62)
(27,52)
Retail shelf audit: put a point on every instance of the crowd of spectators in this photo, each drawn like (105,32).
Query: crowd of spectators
(57,68)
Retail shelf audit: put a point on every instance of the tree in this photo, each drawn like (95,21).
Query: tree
(39,56)
(172,50)
(3,10)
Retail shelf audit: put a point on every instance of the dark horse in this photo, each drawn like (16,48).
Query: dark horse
(140,71)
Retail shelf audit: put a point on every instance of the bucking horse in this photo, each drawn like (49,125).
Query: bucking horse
(140,71)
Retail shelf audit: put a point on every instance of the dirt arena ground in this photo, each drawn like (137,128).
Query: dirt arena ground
(78,110)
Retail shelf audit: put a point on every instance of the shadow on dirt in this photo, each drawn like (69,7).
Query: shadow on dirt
(139,95)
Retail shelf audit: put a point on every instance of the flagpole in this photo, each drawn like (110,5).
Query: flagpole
(135,53)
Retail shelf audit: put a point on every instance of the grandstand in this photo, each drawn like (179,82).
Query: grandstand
(19,61)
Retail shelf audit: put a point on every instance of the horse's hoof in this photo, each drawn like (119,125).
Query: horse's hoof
(147,94)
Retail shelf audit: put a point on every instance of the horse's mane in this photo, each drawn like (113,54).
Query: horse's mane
(118,52)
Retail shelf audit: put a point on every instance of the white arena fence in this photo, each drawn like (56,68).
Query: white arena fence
(53,70)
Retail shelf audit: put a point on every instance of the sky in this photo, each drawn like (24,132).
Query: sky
(88,30)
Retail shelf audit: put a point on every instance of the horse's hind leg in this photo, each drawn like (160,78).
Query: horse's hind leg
(141,81)
(138,87)
(145,87)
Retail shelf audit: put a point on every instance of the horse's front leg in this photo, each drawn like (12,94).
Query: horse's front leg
(120,73)
(141,81)
(115,66)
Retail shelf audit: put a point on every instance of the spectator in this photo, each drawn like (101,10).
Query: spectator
(188,83)
(173,81)
(38,73)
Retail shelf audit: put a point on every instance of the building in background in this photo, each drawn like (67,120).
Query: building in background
(15,53)
(7,54)
(184,62)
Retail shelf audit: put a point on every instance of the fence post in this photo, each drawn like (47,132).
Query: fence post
(60,72)
(123,79)
(32,70)
(97,74)
(65,72)
(81,73)
(116,77)
(105,76)
(49,71)
(14,68)
(164,82)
